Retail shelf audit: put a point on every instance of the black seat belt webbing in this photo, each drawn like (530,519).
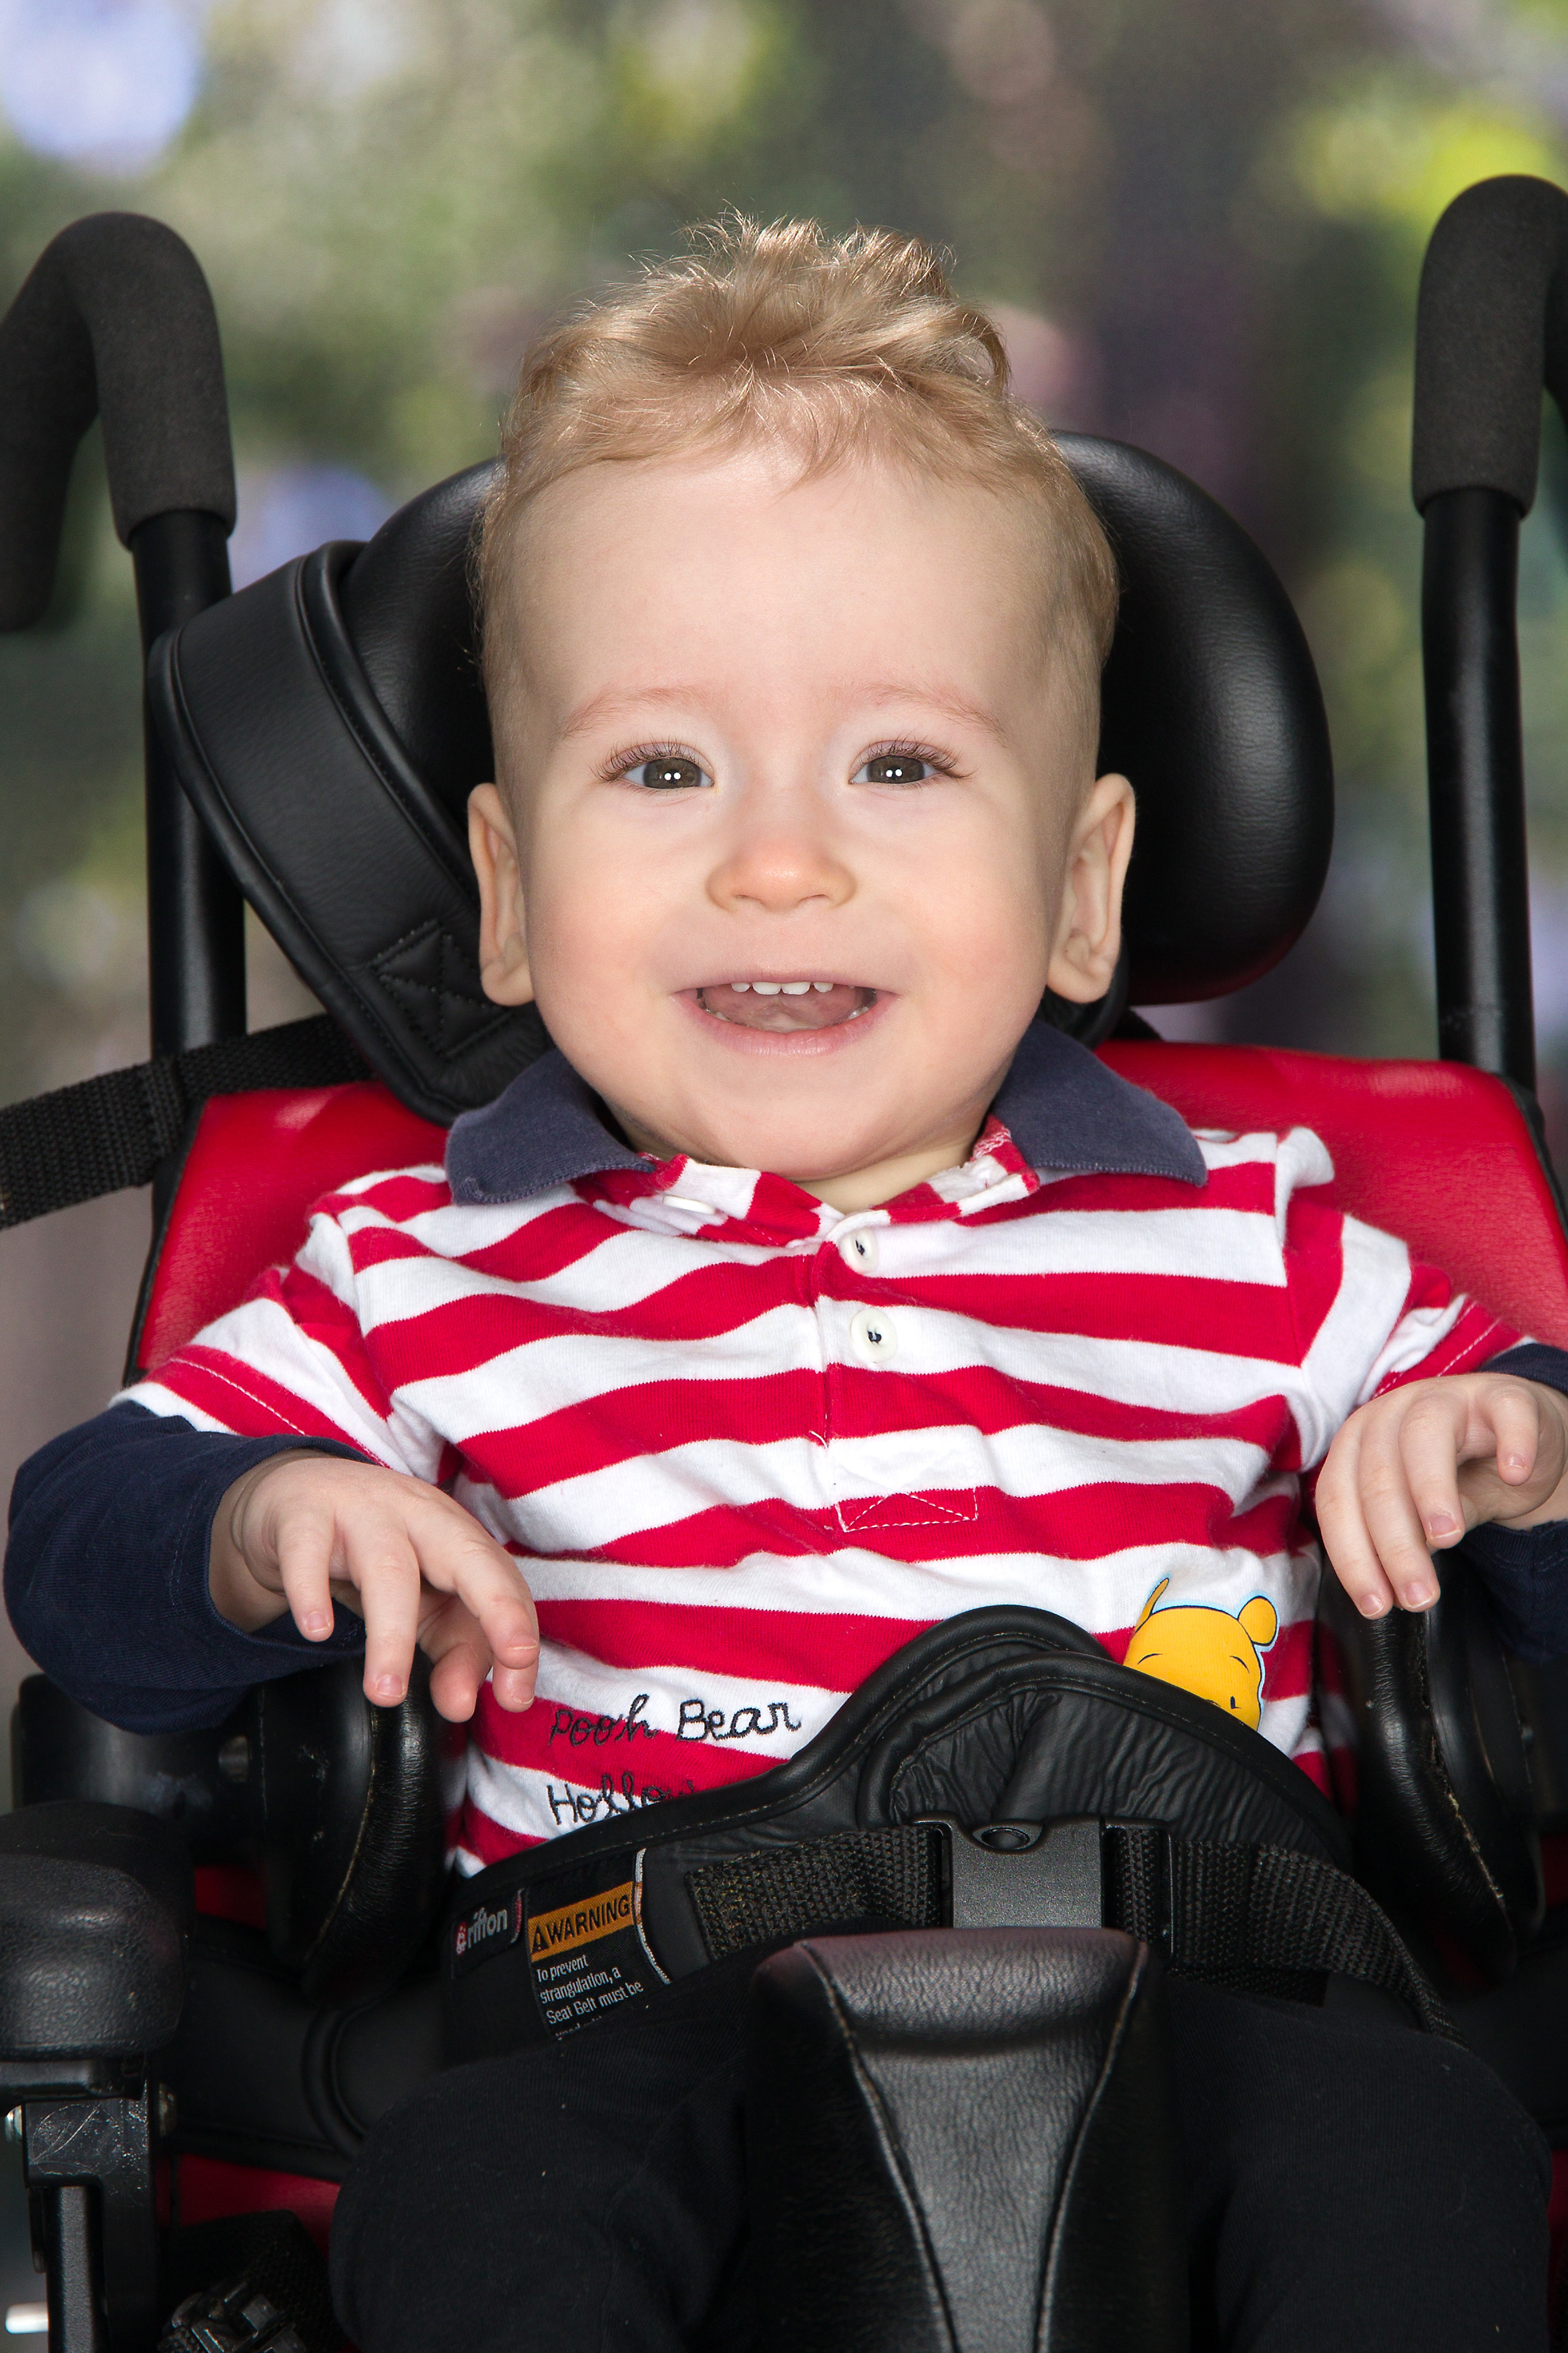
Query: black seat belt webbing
(107,1133)
(1236,1915)
(1231,1912)
(893,1875)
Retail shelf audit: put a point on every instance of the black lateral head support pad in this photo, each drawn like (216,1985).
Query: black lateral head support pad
(330,722)
(95,1907)
(1211,706)
(964,2141)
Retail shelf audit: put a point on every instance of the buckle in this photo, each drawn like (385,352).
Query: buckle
(1023,1875)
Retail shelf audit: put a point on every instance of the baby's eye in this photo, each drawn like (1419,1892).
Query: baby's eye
(667,772)
(895,768)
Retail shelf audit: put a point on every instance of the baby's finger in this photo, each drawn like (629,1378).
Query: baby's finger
(305,1545)
(456,1555)
(1427,1441)
(1392,1520)
(382,1566)
(459,1660)
(1351,1552)
(1510,1412)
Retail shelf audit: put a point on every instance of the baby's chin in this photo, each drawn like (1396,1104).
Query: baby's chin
(809,1149)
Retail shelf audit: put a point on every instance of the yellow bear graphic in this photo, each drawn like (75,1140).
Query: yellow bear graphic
(1207,1652)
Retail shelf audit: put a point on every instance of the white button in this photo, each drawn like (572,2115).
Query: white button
(874,1338)
(860,1249)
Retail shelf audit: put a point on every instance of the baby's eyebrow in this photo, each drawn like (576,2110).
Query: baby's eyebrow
(945,698)
(613,702)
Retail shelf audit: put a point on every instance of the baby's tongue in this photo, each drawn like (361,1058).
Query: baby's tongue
(818,1009)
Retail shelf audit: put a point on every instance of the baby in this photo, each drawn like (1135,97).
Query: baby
(812,1290)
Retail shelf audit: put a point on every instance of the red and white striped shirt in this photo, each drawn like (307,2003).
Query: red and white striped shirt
(744,1446)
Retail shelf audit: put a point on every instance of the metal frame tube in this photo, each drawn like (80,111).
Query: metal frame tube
(1475,750)
(195,915)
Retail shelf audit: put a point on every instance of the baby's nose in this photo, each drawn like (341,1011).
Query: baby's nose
(778,871)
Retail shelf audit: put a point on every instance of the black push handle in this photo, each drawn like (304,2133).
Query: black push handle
(1491,334)
(114,320)
(1492,330)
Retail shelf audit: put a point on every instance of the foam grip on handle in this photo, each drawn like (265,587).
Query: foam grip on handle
(1492,330)
(114,320)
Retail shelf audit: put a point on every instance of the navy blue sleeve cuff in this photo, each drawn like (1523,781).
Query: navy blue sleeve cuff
(106,1572)
(1525,1570)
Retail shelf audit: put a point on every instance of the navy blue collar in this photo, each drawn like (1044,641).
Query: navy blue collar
(1066,1112)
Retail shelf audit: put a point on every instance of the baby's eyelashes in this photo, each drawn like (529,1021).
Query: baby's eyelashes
(656,768)
(902,763)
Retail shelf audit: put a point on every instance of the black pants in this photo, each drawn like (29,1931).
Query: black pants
(1351,2185)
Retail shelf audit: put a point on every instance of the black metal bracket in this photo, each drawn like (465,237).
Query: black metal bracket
(88,2163)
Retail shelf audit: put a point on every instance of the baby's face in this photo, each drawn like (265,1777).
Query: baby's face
(792,830)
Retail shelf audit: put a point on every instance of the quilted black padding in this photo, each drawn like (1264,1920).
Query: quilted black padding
(95,1907)
(965,2138)
(329,723)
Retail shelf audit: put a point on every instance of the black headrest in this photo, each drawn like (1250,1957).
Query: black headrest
(329,723)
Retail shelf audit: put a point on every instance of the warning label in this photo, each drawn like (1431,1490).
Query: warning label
(550,1933)
(584,1947)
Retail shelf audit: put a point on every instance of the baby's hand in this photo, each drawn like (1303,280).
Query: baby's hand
(302,1529)
(1412,1470)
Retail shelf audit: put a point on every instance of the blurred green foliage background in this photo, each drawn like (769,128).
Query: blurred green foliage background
(1202,221)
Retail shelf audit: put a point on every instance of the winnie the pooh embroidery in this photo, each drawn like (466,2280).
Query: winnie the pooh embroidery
(1207,1652)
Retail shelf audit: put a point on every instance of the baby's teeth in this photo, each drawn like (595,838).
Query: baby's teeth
(797,987)
(765,987)
(738,985)
(822,986)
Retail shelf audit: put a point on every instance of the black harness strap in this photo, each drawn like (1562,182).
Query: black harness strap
(1253,1918)
(110,1133)
(776,1893)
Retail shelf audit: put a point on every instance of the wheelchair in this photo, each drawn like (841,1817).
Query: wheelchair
(222,1954)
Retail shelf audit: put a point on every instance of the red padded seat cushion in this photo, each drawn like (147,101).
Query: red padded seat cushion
(256,1164)
(1434,1152)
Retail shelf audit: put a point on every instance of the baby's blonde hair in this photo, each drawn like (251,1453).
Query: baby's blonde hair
(834,348)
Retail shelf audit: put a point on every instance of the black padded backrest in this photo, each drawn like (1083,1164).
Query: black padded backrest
(329,723)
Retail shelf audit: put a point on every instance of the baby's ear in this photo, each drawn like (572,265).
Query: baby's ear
(1088,941)
(503,948)
(1259,1622)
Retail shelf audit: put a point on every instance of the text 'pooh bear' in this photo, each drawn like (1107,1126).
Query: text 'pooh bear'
(1207,1652)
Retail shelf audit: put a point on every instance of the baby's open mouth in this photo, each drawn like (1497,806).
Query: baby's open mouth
(785,1004)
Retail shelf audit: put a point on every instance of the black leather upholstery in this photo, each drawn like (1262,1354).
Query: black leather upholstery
(329,723)
(95,1917)
(262,2076)
(1443,1828)
(1212,707)
(964,2142)
(350,1804)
